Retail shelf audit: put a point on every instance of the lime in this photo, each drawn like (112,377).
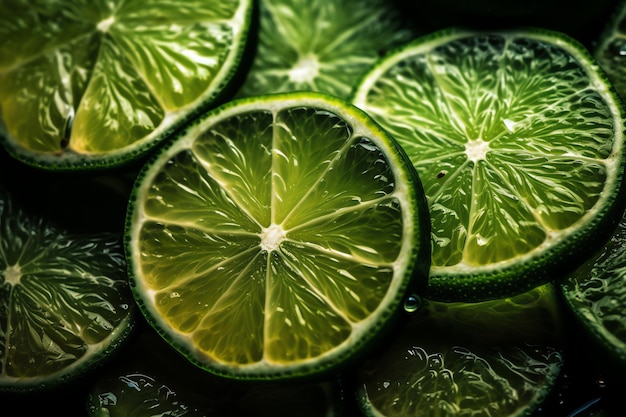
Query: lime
(151,379)
(462,359)
(518,139)
(65,301)
(596,296)
(95,84)
(322,45)
(610,49)
(277,236)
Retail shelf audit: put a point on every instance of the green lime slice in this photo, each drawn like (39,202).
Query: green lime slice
(518,139)
(96,84)
(65,301)
(322,45)
(277,236)
(152,379)
(610,49)
(596,296)
(461,359)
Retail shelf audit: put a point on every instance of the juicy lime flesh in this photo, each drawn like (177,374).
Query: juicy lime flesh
(321,46)
(65,300)
(596,293)
(273,237)
(514,139)
(497,358)
(92,78)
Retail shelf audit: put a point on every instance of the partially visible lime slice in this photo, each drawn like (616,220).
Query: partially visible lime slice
(596,295)
(494,358)
(65,301)
(610,49)
(277,236)
(95,84)
(519,141)
(151,379)
(322,45)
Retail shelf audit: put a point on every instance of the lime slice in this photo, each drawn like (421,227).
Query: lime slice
(322,45)
(95,84)
(610,49)
(462,359)
(65,301)
(596,296)
(519,142)
(277,236)
(151,379)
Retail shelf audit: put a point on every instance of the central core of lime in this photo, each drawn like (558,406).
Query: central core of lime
(476,149)
(305,70)
(271,237)
(105,24)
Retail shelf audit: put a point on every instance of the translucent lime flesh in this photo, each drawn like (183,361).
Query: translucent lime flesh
(94,79)
(274,236)
(495,358)
(321,45)
(515,137)
(596,295)
(65,300)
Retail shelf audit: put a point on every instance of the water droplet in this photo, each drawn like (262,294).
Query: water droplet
(618,47)
(412,303)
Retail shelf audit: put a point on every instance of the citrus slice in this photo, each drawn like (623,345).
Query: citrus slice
(65,301)
(322,45)
(95,84)
(277,236)
(461,359)
(596,296)
(518,139)
(610,49)
(152,379)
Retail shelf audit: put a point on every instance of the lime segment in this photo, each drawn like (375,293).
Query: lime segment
(518,140)
(277,236)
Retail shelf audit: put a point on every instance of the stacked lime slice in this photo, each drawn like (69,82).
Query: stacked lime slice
(277,236)
(610,49)
(65,302)
(518,138)
(498,358)
(95,84)
(322,45)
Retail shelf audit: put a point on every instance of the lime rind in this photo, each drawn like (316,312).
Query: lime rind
(105,87)
(466,123)
(66,302)
(262,256)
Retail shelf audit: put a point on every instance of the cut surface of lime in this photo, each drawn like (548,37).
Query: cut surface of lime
(95,84)
(461,359)
(610,49)
(596,295)
(65,301)
(322,45)
(277,236)
(518,139)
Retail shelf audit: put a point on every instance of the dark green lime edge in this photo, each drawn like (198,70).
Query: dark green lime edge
(221,94)
(414,283)
(554,263)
